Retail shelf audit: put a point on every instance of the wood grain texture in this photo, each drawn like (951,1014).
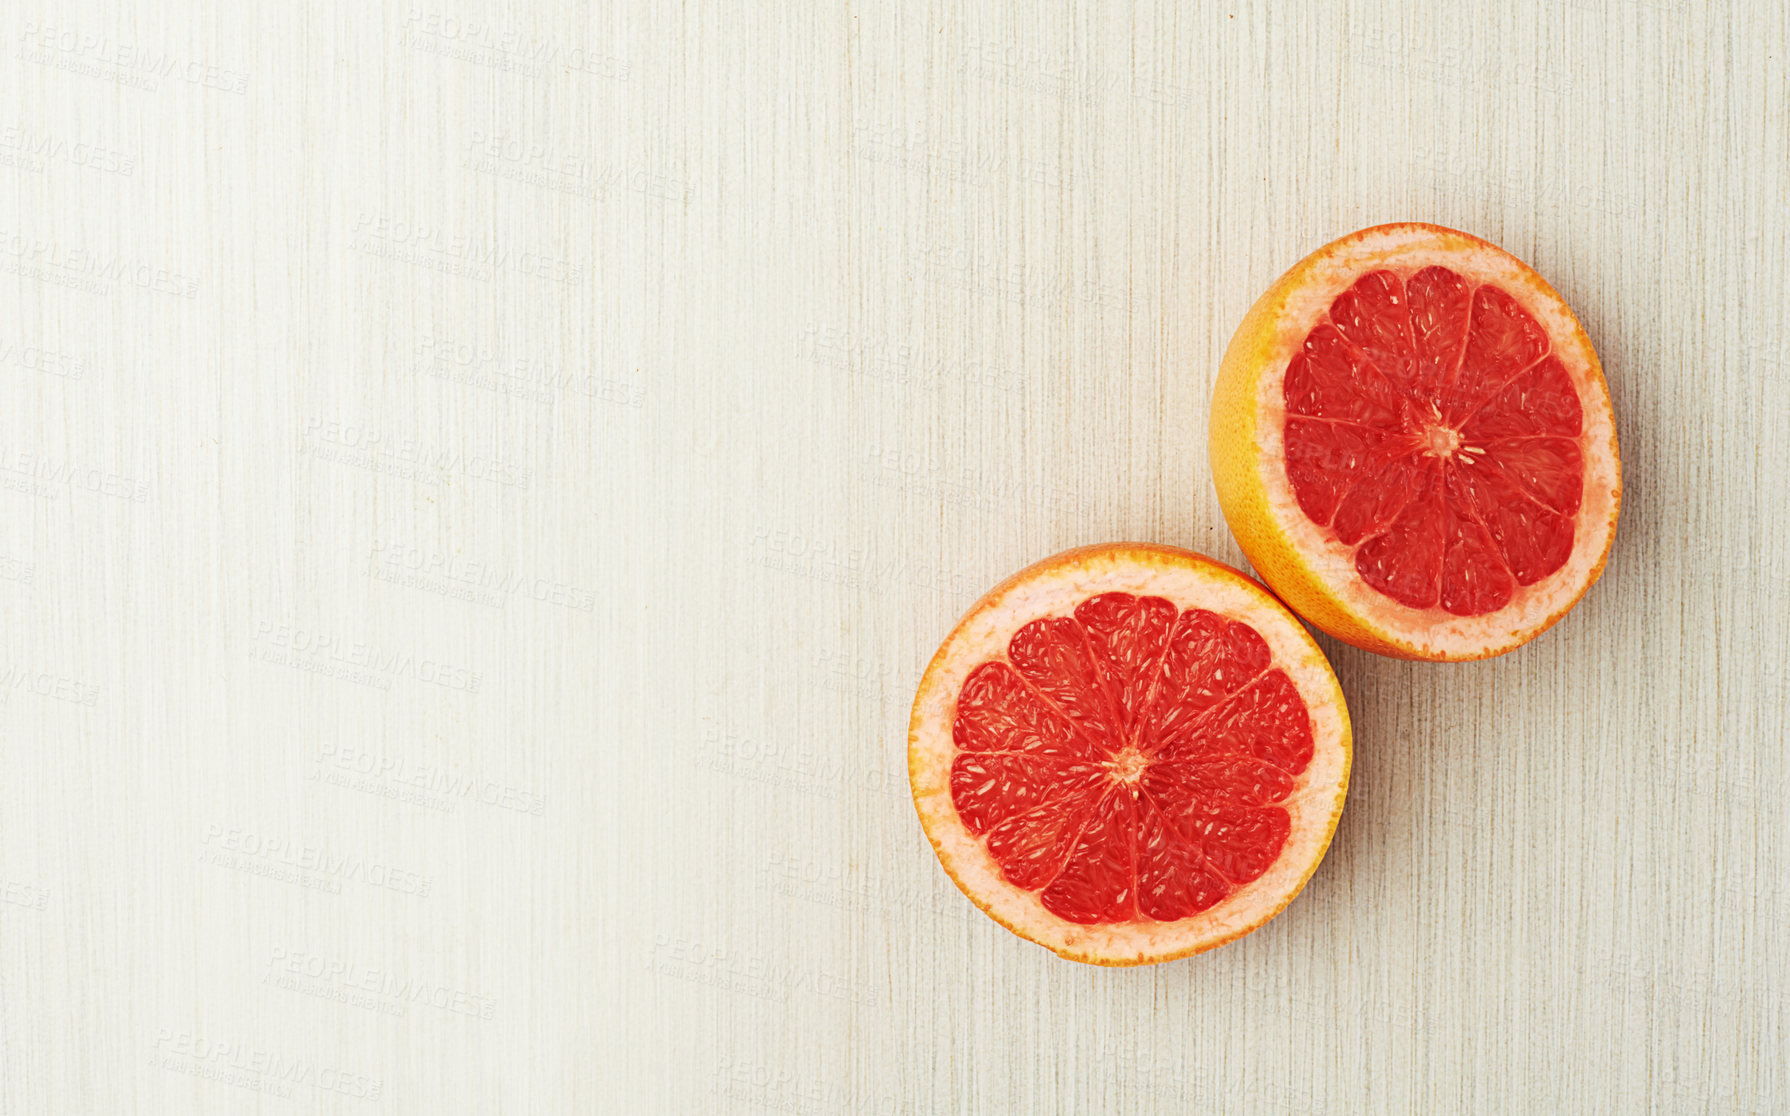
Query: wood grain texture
(480,484)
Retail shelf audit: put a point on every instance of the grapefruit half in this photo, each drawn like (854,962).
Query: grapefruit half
(1412,440)
(1129,753)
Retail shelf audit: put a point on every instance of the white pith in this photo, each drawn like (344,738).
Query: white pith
(1186,582)
(1435,632)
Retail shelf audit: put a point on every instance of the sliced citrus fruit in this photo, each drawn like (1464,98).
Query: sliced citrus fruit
(1413,443)
(1129,753)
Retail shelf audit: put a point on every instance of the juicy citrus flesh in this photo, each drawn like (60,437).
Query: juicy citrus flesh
(1413,443)
(1129,753)
(1124,762)
(1428,425)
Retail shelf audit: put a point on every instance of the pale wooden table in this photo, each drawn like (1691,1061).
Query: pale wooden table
(478,491)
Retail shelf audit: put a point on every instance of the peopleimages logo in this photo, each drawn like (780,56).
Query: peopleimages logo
(537,163)
(24,895)
(47,684)
(433,782)
(522,376)
(254,1068)
(92,55)
(80,268)
(309,864)
(42,476)
(507,50)
(322,653)
(455,575)
(36,358)
(373,450)
(454,252)
(32,151)
(373,987)
(811,555)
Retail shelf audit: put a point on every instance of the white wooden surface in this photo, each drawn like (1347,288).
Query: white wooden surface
(479,487)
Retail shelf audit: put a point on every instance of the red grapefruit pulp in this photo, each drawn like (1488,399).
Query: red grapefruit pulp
(1129,753)
(1428,425)
(1412,440)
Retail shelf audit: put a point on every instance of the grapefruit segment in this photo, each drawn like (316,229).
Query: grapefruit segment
(993,787)
(1239,843)
(1099,881)
(1502,341)
(1266,721)
(1374,316)
(1412,440)
(1215,777)
(1329,379)
(1547,470)
(1208,659)
(1031,847)
(1056,657)
(1128,635)
(1439,299)
(1174,879)
(1375,500)
(1540,401)
(998,713)
(1475,577)
(1327,459)
(1129,753)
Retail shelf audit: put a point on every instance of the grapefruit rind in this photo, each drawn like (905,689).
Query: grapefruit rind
(1053,588)
(1303,562)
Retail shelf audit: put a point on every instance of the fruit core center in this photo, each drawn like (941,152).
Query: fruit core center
(1128,766)
(1441,441)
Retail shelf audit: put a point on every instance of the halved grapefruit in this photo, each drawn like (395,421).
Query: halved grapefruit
(1413,443)
(1129,753)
